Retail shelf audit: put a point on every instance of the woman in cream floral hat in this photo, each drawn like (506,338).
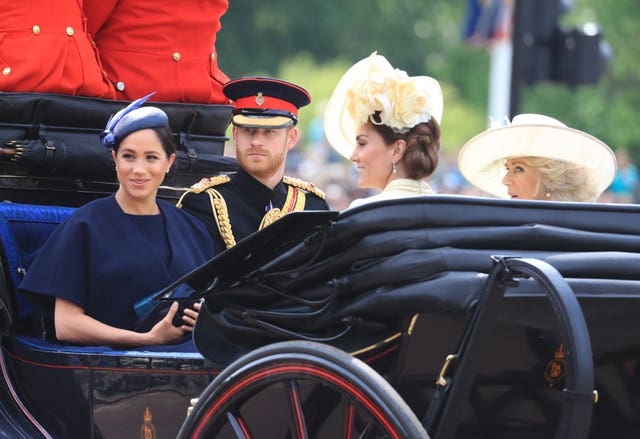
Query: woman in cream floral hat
(388,124)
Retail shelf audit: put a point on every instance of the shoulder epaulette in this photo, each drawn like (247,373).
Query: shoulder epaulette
(304,185)
(208,182)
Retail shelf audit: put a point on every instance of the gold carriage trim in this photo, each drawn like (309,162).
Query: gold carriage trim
(305,186)
(556,368)
(147,429)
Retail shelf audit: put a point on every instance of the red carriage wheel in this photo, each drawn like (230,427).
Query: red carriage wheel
(299,390)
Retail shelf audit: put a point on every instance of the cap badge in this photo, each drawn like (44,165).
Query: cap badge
(260,99)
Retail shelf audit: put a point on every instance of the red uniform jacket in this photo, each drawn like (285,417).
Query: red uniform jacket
(166,46)
(44,48)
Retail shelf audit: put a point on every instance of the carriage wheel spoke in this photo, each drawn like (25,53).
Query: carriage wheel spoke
(300,426)
(349,419)
(308,392)
(366,430)
(353,424)
(238,426)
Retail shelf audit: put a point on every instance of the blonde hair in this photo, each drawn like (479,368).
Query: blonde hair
(565,181)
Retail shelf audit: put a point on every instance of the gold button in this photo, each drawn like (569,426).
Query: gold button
(35,29)
(70,31)
(176,56)
(6,71)
(213,56)
(120,86)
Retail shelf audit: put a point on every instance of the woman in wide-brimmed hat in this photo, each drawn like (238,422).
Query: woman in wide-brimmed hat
(536,157)
(388,124)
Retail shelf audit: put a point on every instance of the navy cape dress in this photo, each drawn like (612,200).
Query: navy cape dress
(99,259)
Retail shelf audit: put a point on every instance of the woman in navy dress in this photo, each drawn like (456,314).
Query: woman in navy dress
(116,250)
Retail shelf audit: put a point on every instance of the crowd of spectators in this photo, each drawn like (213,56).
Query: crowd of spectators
(314,160)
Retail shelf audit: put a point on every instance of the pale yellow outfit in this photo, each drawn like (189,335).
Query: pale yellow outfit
(399,188)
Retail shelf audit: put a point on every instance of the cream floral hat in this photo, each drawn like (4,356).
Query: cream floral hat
(373,85)
(481,159)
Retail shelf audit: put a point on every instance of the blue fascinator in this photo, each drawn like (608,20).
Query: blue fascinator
(130,119)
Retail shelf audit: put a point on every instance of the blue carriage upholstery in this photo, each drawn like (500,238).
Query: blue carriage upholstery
(24,229)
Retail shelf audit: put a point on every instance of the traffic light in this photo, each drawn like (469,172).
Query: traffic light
(581,56)
(545,51)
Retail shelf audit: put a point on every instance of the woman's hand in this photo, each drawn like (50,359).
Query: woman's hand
(164,332)
(74,326)
(190,315)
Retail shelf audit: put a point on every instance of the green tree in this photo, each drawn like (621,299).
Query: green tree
(610,109)
(314,41)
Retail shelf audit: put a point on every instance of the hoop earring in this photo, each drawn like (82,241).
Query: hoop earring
(393,167)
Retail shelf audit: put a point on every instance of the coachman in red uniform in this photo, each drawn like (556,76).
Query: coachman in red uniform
(166,46)
(44,48)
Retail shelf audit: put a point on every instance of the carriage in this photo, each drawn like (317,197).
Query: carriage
(439,316)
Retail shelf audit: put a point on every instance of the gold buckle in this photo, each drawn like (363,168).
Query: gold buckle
(442,381)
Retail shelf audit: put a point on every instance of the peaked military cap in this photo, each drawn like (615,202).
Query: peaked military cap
(265,102)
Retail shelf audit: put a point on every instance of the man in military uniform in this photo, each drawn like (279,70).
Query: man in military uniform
(264,130)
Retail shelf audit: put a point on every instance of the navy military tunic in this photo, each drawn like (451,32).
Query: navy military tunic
(247,201)
(100,260)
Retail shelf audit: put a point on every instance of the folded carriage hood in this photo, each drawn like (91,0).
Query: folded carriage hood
(356,277)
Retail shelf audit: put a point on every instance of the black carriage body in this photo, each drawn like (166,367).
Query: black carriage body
(79,392)
(393,284)
(404,277)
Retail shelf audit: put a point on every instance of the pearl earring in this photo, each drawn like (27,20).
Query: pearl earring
(548,192)
(393,167)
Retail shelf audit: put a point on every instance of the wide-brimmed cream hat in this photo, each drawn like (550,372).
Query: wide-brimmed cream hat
(373,85)
(481,159)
